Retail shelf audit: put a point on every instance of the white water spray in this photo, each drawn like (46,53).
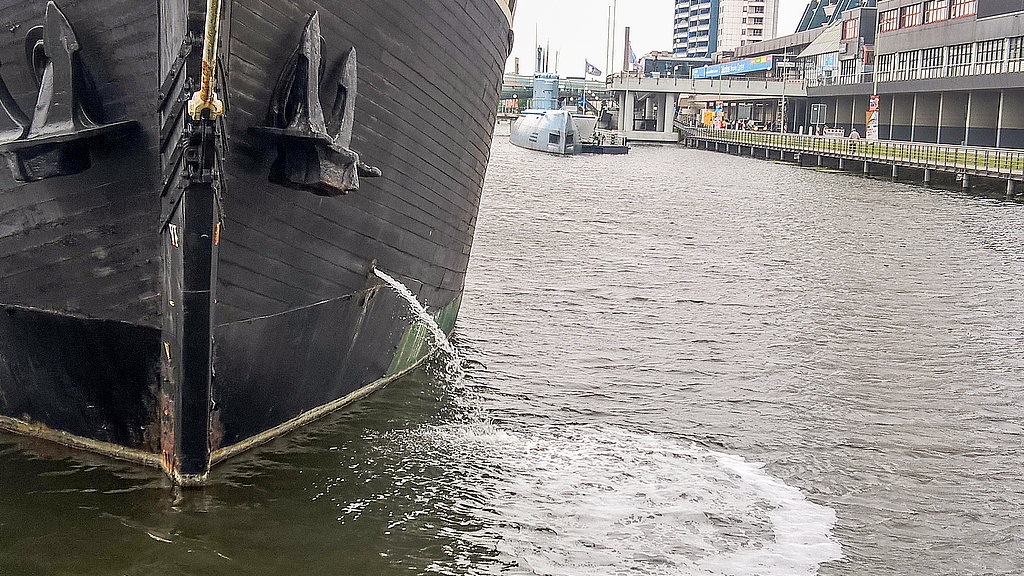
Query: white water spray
(452,363)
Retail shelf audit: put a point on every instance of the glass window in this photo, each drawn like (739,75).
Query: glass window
(960,58)
(962,8)
(885,66)
(910,16)
(890,20)
(936,11)
(932,62)
(990,57)
(850,29)
(1016,55)
(906,65)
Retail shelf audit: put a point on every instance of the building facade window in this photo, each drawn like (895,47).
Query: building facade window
(889,20)
(850,29)
(961,56)
(933,62)
(906,65)
(910,16)
(1015,61)
(990,57)
(848,71)
(936,11)
(885,65)
(963,8)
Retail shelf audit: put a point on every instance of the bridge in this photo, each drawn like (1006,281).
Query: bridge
(646,105)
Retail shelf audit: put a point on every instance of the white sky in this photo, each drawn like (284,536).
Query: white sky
(577,29)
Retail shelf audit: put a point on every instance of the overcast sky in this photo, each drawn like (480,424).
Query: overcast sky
(577,29)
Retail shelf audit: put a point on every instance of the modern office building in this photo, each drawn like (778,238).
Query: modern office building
(703,27)
(944,71)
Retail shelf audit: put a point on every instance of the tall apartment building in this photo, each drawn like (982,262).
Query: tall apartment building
(703,27)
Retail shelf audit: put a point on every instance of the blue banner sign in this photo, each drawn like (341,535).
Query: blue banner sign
(730,68)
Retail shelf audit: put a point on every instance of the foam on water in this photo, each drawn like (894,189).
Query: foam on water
(451,363)
(584,501)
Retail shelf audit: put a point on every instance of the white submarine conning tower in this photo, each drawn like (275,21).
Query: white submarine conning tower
(545,126)
(545,91)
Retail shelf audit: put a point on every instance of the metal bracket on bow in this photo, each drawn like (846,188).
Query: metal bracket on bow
(55,141)
(314,154)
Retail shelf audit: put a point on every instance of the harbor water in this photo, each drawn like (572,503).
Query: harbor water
(672,362)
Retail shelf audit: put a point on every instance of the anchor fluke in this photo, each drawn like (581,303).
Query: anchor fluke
(55,142)
(314,154)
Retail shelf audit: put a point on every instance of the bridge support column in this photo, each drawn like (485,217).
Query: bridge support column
(1011,189)
(867,167)
(967,182)
(626,103)
(666,117)
(895,172)
(927,176)
(821,161)
(842,164)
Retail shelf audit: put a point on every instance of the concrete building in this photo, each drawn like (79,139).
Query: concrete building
(703,27)
(948,72)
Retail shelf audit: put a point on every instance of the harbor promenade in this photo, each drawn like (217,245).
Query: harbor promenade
(963,163)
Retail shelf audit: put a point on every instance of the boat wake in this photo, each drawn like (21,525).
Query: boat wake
(610,501)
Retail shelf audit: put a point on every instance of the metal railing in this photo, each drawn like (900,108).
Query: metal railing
(996,162)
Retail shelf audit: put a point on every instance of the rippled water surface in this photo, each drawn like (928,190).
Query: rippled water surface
(676,362)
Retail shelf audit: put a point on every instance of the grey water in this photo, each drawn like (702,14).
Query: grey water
(675,362)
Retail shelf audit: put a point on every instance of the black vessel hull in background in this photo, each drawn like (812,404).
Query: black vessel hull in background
(113,275)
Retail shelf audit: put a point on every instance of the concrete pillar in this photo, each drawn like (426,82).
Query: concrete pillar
(927,176)
(844,114)
(842,164)
(821,161)
(1011,129)
(953,118)
(649,106)
(902,117)
(926,117)
(860,118)
(867,168)
(895,172)
(983,119)
(1011,189)
(967,182)
(626,112)
(664,123)
(886,107)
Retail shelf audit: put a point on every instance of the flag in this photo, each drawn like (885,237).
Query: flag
(632,57)
(592,70)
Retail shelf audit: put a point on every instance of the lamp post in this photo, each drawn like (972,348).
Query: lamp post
(871,124)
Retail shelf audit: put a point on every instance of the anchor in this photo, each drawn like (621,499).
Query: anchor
(314,154)
(55,141)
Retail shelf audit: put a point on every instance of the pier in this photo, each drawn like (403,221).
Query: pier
(962,162)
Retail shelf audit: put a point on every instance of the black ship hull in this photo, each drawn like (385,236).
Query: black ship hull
(175,290)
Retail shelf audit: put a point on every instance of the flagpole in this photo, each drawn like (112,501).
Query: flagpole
(615,15)
(607,41)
